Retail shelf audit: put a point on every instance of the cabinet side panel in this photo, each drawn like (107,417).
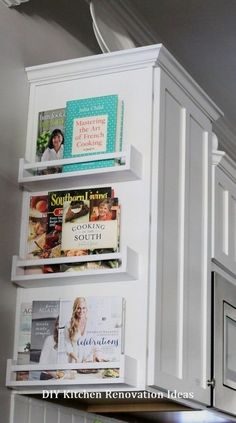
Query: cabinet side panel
(197,257)
(179,357)
(171,334)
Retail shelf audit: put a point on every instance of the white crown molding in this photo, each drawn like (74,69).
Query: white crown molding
(226,134)
(131,59)
(13,3)
(221,160)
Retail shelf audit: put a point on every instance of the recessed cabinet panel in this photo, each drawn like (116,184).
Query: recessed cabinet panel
(197,270)
(224,215)
(36,412)
(172,249)
(229,336)
(224,343)
(180,281)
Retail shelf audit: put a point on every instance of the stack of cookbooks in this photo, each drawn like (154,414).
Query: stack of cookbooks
(84,330)
(79,222)
(84,127)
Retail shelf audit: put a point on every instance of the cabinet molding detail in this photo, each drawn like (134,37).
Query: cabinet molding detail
(224,212)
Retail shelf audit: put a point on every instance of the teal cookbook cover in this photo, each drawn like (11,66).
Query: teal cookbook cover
(93,126)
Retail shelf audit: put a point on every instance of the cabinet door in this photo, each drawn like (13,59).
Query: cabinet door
(224,245)
(179,318)
(225,344)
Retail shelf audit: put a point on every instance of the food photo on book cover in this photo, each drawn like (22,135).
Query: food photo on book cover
(69,223)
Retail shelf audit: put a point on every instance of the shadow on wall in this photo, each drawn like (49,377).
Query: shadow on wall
(73,16)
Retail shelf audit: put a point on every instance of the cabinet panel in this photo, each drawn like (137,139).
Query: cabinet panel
(180,279)
(51,414)
(36,412)
(224,394)
(171,334)
(224,215)
(167,121)
(198,310)
(134,195)
(20,409)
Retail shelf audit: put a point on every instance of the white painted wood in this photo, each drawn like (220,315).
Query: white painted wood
(179,346)
(128,270)
(224,212)
(128,375)
(224,396)
(52,414)
(36,411)
(134,194)
(129,169)
(20,409)
(65,417)
(168,122)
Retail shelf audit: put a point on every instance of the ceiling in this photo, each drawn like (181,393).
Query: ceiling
(201,34)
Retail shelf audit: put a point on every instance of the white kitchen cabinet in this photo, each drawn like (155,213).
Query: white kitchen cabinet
(224,212)
(165,193)
(180,290)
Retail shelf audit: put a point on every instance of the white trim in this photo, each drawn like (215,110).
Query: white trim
(227,136)
(138,58)
(225,163)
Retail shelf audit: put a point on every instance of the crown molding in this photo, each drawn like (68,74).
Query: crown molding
(13,3)
(226,134)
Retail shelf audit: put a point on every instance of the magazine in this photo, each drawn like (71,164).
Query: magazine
(37,226)
(23,354)
(77,203)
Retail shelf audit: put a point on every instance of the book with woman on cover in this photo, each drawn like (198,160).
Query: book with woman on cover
(91,330)
(77,202)
(50,139)
(93,126)
(93,232)
(83,330)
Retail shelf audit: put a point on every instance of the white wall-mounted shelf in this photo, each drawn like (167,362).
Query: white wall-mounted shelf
(129,167)
(128,270)
(127,379)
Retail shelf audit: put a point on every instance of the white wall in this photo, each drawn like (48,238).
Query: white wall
(25,39)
